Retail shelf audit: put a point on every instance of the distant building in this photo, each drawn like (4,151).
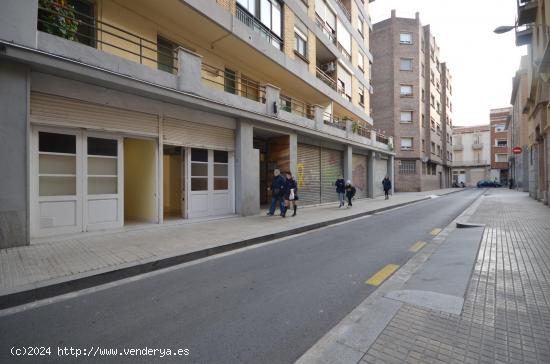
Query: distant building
(412,101)
(471,154)
(500,149)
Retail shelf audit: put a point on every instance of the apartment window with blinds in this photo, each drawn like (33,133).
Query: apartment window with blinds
(406,90)
(270,15)
(406,117)
(406,64)
(344,82)
(300,45)
(405,38)
(406,143)
(360,26)
(407,167)
(361,61)
(361,91)
(344,39)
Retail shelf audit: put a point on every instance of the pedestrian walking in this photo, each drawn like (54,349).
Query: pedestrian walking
(340,190)
(350,192)
(277,193)
(291,194)
(386,184)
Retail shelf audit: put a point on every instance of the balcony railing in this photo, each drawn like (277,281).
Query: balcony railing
(330,33)
(334,121)
(344,9)
(297,107)
(326,79)
(66,22)
(229,82)
(382,138)
(253,23)
(344,52)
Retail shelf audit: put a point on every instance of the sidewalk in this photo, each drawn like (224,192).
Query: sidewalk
(502,315)
(62,264)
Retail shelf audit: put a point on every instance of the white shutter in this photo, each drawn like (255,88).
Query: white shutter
(61,111)
(344,38)
(190,134)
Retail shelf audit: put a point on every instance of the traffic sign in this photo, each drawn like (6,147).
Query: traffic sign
(516,150)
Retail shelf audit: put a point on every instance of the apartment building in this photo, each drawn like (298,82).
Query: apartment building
(413,102)
(500,148)
(125,112)
(518,127)
(471,154)
(532,29)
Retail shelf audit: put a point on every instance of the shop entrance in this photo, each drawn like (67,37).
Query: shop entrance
(173,181)
(140,181)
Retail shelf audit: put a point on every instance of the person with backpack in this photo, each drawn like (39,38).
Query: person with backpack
(291,194)
(386,184)
(340,190)
(277,193)
(350,192)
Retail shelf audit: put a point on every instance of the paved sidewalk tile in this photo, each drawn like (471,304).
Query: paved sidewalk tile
(62,258)
(506,314)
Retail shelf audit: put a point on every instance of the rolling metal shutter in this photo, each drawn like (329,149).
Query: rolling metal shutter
(476,175)
(331,169)
(359,167)
(190,134)
(61,111)
(309,174)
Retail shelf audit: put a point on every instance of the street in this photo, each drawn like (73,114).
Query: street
(266,304)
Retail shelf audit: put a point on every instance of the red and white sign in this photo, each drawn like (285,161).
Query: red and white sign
(516,150)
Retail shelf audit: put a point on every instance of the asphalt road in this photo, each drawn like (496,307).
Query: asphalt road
(263,305)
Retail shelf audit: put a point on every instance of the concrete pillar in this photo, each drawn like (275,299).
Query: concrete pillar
(14,139)
(18,22)
(189,70)
(318,116)
(247,171)
(349,128)
(348,166)
(272,99)
(293,153)
(390,172)
(373,136)
(370,174)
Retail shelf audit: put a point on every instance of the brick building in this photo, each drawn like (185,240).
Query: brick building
(412,101)
(500,149)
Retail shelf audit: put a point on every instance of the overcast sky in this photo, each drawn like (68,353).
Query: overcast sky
(482,63)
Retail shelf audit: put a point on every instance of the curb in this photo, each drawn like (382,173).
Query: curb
(51,290)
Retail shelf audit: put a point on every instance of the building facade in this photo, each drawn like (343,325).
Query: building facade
(518,127)
(471,154)
(500,148)
(413,102)
(533,22)
(123,112)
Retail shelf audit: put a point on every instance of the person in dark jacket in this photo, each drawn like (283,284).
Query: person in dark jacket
(340,190)
(386,184)
(291,194)
(350,192)
(277,193)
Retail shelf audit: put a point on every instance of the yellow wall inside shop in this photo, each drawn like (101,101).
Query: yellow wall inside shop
(140,202)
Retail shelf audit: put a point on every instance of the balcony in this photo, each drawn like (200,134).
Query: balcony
(458,147)
(524,35)
(250,21)
(297,107)
(477,146)
(328,31)
(527,11)
(345,5)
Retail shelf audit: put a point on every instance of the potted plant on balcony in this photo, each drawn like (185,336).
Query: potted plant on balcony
(355,127)
(58,17)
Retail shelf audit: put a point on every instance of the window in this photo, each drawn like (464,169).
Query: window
(502,158)
(230,81)
(344,82)
(56,164)
(221,170)
(250,88)
(432,148)
(102,166)
(423,95)
(405,38)
(344,39)
(423,120)
(422,70)
(300,46)
(423,145)
(270,15)
(361,90)
(438,108)
(406,64)
(407,167)
(406,117)
(166,55)
(406,143)
(360,25)
(432,100)
(360,61)
(249,5)
(500,128)
(85,14)
(439,151)
(502,143)
(432,77)
(327,16)
(406,90)
(199,169)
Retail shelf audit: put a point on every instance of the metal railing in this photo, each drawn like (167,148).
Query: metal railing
(344,9)
(326,79)
(334,121)
(362,131)
(231,83)
(382,138)
(106,37)
(297,107)
(329,32)
(253,23)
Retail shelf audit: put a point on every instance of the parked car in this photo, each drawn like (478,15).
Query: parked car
(488,183)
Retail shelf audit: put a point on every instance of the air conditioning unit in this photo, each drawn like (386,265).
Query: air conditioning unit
(328,67)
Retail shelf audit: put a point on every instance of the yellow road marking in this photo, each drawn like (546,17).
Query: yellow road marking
(417,246)
(382,275)
(435,231)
